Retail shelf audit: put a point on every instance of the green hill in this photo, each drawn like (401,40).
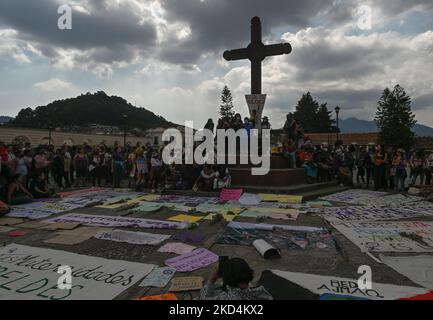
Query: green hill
(89,108)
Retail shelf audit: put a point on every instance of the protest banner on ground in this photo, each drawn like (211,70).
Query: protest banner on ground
(389,236)
(348,287)
(282,198)
(196,259)
(110,221)
(418,269)
(370,213)
(147,207)
(41,209)
(276,213)
(30,273)
(394,200)
(250,199)
(159,277)
(286,237)
(355,196)
(190,200)
(139,238)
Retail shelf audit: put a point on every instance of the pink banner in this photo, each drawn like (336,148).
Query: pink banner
(80,192)
(231,194)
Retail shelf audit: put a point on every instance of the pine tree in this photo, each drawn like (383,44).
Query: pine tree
(226,107)
(395,119)
(324,123)
(306,111)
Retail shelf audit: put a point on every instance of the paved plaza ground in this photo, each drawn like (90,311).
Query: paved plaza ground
(342,263)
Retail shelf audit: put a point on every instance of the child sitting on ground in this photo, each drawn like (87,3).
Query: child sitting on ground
(39,188)
(17,193)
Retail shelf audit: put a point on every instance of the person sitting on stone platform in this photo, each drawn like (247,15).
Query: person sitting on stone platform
(207,179)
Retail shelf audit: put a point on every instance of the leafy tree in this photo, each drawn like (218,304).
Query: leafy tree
(226,107)
(395,119)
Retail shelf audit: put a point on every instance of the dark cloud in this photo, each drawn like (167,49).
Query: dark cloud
(424,101)
(225,24)
(36,21)
(393,7)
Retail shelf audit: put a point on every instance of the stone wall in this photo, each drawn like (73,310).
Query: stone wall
(37,137)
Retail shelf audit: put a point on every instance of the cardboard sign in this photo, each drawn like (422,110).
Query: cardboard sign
(10,221)
(61,226)
(31,225)
(73,237)
(180,284)
(191,261)
(177,248)
(92,278)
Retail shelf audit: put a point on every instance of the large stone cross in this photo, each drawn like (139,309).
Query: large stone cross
(256,52)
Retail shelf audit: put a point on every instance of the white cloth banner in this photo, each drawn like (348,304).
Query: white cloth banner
(394,200)
(140,238)
(355,196)
(30,273)
(115,221)
(419,269)
(348,287)
(389,236)
(370,213)
(41,209)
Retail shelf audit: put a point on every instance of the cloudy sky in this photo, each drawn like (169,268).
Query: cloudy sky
(166,55)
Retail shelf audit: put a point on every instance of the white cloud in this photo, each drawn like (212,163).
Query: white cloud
(53,84)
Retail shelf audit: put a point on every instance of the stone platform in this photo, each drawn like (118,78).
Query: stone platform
(280,175)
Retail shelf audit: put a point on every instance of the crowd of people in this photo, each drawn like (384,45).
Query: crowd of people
(37,172)
(372,165)
(236,123)
(28,173)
